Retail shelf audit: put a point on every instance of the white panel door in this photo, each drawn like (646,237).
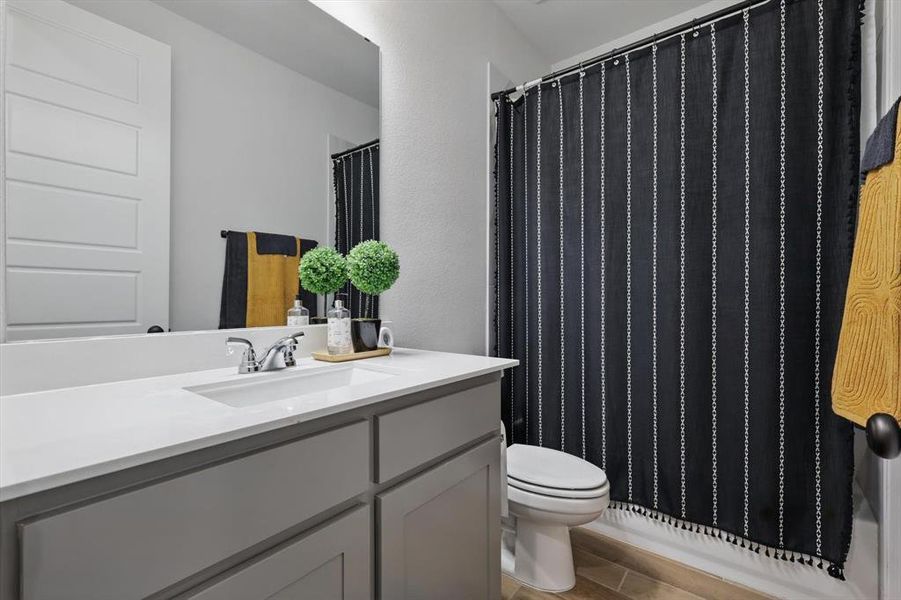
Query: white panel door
(87,174)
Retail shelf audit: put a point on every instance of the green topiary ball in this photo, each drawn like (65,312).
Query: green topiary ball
(374,267)
(322,270)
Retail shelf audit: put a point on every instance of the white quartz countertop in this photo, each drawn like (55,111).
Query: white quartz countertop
(56,437)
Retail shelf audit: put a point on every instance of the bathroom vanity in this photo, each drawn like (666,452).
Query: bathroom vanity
(377,479)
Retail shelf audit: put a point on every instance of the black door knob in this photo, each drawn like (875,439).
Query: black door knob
(884,435)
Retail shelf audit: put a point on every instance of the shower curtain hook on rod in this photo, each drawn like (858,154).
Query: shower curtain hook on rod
(528,84)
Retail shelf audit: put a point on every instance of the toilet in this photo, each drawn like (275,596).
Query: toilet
(548,492)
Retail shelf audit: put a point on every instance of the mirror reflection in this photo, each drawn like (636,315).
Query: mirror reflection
(169,162)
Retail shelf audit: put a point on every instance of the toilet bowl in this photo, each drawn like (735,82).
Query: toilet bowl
(548,492)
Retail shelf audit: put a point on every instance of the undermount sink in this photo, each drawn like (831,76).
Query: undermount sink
(259,389)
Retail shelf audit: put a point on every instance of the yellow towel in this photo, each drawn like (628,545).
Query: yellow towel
(272,283)
(867,375)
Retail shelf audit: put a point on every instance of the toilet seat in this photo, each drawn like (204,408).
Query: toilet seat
(558,492)
(561,506)
(552,472)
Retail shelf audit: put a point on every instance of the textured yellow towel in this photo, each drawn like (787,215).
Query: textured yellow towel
(272,283)
(867,375)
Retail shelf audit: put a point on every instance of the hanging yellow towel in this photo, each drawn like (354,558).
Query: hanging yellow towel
(272,284)
(867,377)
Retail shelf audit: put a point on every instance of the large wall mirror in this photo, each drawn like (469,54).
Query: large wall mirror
(168,162)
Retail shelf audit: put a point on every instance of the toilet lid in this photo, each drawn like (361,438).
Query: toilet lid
(552,469)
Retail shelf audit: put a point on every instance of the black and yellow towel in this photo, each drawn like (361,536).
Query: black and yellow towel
(868,366)
(261,279)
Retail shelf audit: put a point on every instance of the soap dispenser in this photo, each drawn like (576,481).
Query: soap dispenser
(298,314)
(339,341)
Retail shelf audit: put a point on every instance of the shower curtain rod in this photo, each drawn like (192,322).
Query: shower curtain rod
(647,41)
(344,153)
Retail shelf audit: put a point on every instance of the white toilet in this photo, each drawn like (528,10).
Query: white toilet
(548,492)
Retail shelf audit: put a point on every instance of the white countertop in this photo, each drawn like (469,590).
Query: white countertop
(57,437)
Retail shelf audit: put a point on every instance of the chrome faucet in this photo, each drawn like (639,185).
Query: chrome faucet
(281,354)
(278,356)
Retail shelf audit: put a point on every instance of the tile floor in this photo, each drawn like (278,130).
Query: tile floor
(607,569)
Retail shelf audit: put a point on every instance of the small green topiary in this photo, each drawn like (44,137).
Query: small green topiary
(322,270)
(373,266)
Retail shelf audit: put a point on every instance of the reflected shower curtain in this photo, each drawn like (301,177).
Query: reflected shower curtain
(676,308)
(356,180)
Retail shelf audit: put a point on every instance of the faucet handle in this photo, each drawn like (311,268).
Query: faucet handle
(249,363)
(295,339)
(294,342)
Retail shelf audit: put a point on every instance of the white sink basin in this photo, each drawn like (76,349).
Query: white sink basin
(285,385)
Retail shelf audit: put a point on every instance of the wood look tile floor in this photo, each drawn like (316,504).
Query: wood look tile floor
(607,569)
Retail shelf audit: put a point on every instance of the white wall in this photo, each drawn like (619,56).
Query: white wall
(249,150)
(433,156)
(656,27)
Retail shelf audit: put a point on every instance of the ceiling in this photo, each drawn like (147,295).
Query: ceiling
(561,29)
(298,35)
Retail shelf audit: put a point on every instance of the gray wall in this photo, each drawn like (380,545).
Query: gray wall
(434,157)
(249,149)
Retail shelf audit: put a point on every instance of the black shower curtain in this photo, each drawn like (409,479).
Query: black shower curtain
(356,181)
(676,309)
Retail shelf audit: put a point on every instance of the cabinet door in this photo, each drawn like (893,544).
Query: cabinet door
(331,563)
(439,533)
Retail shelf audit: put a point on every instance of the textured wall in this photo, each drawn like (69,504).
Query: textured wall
(434,157)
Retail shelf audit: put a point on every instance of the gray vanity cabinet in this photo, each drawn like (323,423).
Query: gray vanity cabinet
(331,563)
(439,532)
(394,500)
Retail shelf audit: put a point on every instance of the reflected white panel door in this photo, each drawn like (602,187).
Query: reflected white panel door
(87,187)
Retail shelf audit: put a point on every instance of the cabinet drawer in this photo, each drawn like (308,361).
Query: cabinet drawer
(411,436)
(140,542)
(331,563)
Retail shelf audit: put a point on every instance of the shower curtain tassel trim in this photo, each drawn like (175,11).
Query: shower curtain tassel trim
(834,570)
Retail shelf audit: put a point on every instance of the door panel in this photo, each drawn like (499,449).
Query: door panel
(54,133)
(87,182)
(72,57)
(74,222)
